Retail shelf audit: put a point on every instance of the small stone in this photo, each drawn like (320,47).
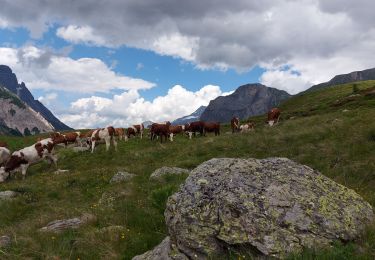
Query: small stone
(59,171)
(8,194)
(5,241)
(121,176)
(159,173)
(63,224)
(80,149)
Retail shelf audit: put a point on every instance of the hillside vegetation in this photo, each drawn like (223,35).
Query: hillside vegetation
(328,130)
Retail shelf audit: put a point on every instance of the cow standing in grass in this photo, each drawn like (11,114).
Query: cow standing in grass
(107,134)
(135,130)
(174,130)
(160,130)
(235,124)
(194,127)
(273,116)
(22,159)
(211,127)
(120,132)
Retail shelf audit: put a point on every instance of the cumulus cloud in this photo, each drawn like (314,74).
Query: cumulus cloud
(130,108)
(44,69)
(219,34)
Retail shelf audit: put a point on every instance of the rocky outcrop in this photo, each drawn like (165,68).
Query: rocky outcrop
(5,241)
(159,173)
(9,80)
(270,207)
(354,76)
(190,118)
(248,100)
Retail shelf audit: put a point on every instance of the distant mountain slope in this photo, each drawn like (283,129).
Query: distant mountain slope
(354,76)
(248,100)
(190,118)
(17,118)
(9,80)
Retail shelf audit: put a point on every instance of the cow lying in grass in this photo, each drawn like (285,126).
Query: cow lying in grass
(273,116)
(107,134)
(247,127)
(22,159)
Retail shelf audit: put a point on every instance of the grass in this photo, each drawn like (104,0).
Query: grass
(339,141)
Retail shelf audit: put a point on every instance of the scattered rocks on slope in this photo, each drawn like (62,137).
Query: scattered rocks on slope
(73,223)
(5,241)
(80,149)
(8,194)
(60,171)
(159,173)
(270,207)
(121,176)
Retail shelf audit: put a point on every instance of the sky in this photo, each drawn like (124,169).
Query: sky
(114,62)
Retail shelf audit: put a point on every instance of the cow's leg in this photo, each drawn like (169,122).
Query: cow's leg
(92,146)
(277,121)
(171,137)
(141,134)
(107,142)
(24,170)
(115,143)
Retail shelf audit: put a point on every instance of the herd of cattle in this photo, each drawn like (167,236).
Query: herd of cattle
(43,149)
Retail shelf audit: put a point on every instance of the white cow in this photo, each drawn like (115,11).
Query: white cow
(4,155)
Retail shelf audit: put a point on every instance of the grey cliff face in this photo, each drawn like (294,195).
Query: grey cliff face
(248,100)
(9,80)
(271,207)
(354,76)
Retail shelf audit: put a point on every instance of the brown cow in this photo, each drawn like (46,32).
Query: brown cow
(194,127)
(160,130)
(174,130)
(3,144)
(235,124)
(210,127)
(273,116)
(120,132)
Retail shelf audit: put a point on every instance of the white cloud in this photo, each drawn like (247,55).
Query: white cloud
(43,69)
(130,108)
(48,98)
(139,66)
(80,34)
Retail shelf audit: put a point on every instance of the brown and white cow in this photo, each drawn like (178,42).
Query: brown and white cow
(120,132)
(107,134)
(160,130)
(66,138)
(247,127)
(273,116)
(4,155)
(22,159)
(174,130)
(235,124)
(211,127)
(193,127)
(135,130)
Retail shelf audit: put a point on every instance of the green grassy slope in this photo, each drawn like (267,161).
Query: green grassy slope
(320,129)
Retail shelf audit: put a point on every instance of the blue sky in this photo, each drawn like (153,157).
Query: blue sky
(122,62)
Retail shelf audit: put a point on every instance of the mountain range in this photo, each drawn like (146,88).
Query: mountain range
(190,118)
(9,81)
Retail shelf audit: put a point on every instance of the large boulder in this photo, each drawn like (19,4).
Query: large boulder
(269,207)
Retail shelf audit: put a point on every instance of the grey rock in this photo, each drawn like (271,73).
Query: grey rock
(8,194)
(63,224)
(121,176)
(272,206)
(159,173)
(5,241)
(248,100)
(164,251)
